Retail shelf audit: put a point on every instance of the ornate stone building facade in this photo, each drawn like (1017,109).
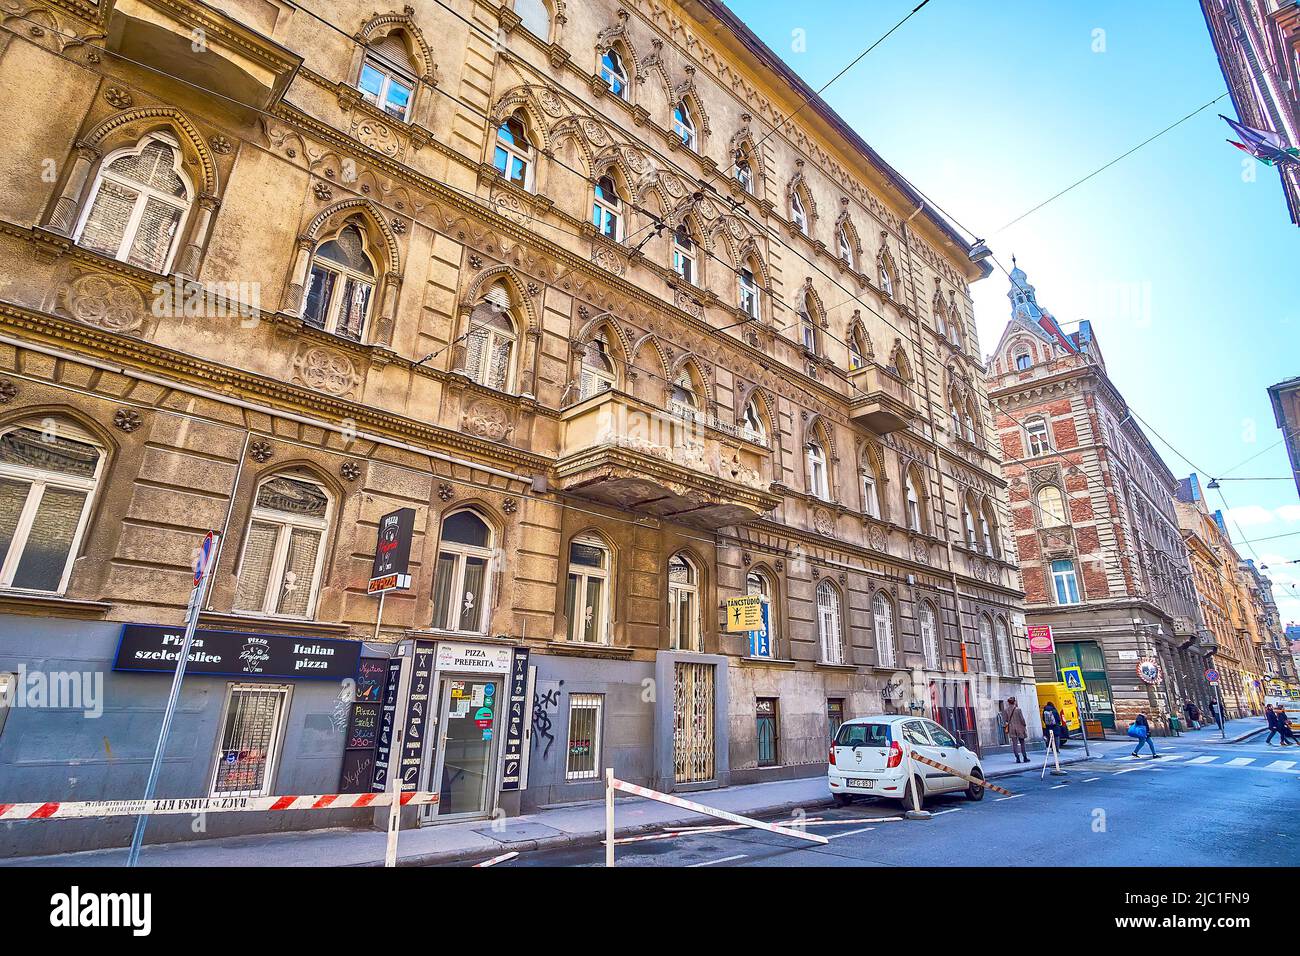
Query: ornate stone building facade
(1101,557)
(559,278)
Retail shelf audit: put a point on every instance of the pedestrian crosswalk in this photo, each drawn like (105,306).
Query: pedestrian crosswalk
(1219,760)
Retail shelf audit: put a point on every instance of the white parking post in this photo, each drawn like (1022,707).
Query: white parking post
(609,816)
(916,813)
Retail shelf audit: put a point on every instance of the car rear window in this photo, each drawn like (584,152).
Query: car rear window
(863,735)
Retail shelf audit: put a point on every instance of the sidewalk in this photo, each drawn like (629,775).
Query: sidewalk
(1234,732)
(579,824)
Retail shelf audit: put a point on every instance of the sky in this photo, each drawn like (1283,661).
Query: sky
(1179,255)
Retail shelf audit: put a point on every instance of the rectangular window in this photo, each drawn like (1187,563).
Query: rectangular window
(583,761)
(252,731)
(767,732)
(1065,583)
(870,500)
(834,715)
(381,86)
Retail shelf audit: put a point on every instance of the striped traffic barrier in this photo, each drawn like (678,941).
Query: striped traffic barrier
(65,810)
(957,773)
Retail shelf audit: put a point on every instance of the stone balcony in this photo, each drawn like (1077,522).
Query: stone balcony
(880,399)
(621,452)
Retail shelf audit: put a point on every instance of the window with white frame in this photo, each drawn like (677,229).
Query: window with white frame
(845,247)
(818,483)
(684,603)
(252,730)
(745,174)
(1003,637)
(912,496)
(762,642)
(1036,429)
(681,397)
(490,342)
(597,372)
(886,279)
(1064,582)
(882,613)
(463,578)
(808,332)
(987,649)
(279,572)
(752,426)
(138,205)
(684,254)
(986,532)
(1051,507)
(684,124)
(968,523)
(607,209)
(614,73)
(1023,361)
(583,758)
(48,474)
(341,285)
(535,17)
(388,77)
(858,350)
(587,598)
(929,627)
(513,155)
(940,325)
(870,495)
(968,421)
(829,631)
(748,292)
(797,213)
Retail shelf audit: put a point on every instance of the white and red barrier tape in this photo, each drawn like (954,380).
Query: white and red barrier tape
(715,812)
(131,808)
(957,773)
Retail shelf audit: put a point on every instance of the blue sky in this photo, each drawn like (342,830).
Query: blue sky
(1177,257)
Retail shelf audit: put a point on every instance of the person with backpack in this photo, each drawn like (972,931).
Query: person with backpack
(1140,730)
(1053,724)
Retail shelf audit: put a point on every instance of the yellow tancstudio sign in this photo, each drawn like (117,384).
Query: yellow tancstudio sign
(744,613)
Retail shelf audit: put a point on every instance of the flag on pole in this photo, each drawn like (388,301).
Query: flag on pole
(1264,144)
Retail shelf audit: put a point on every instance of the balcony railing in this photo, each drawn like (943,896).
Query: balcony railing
(880,400)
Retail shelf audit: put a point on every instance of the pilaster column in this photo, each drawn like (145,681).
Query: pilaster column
(291,301)
(188,263)
(65,208)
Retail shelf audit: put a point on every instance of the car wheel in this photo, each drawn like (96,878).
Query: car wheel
(976,790)
(908,804)
(842,799)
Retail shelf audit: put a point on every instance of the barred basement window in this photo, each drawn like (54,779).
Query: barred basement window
(280,569)
(47,481)
(767,732)
(252,730)
(583,762)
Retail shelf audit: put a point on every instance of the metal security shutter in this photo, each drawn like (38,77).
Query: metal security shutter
(693,722)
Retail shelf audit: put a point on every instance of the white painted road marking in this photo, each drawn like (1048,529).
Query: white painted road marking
(1059,786)
(1205,759)
(836,836)
(1239,761)
(725,859)
(1281,765)
(1091,779)
(1012,797)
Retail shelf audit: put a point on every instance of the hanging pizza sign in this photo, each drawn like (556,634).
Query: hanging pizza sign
(1149,671)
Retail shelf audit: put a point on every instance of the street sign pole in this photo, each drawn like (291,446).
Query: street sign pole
(201,579)
(1083,725)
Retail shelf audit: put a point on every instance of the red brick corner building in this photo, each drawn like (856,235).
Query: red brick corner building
(1101,557)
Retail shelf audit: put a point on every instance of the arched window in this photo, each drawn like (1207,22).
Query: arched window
(762,642)
(988,530)
(341,285)
(954,409)
(614,73)
(968,522)
(490,341)
(1051,506)
(818,479)
(798,215)
(886,278)
(744,171)
(747,290)
(607,209)
(858,350)
(535,17)
(681,397)
(987,649)
(844,246)
(1003,636)
(388,76)
(587,599)
(870,494)
(138,204)
(684,254)
(968,421)
(597,374)
(929,626)
(513,156)
(463,576)
(48,475)
(882,613)
(683,603)
(940,325)
(753,426)
(954,328)
(808,332)
(1036,429)
(829,631)
(279,572)
(684,124)
(912,497)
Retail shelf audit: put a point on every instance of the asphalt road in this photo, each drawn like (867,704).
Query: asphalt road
(1198,805)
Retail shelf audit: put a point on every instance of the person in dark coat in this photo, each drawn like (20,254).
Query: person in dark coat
(1193,715)
(1016,730)
(1284,725)
(1054,724)
(1141,731)
(1216,714)
(1273,729)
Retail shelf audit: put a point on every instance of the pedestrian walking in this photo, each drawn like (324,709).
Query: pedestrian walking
(1284,726)
(1193,715)
(1273,730)
(1053,724)
(1140,731)
(1216,714)
(1016,730)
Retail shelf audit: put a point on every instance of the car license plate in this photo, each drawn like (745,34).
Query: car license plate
(864,784)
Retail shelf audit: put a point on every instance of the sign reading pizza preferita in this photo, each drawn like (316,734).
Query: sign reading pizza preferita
(392,552)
